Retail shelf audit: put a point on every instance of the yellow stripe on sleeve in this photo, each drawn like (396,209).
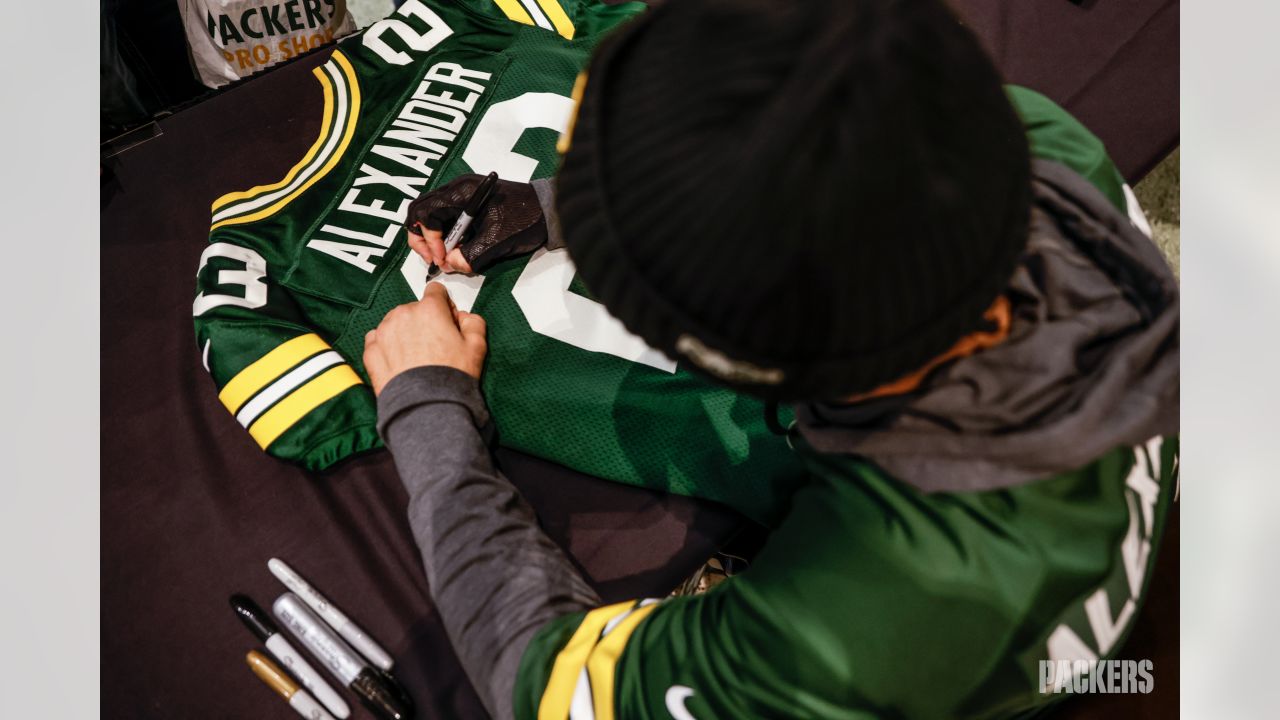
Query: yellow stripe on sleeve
(579,89)
(353,113)
(266,369)
(272,423)
(569,663)
(603,663)
(514,11)
(326,122)
(557,16)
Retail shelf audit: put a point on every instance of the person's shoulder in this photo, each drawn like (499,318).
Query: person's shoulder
(1055,134)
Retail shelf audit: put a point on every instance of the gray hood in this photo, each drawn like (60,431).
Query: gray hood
(1090,364)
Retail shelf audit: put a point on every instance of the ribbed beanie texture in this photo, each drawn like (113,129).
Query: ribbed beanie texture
(802,199)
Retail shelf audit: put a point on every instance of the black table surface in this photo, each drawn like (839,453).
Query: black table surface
(192,509)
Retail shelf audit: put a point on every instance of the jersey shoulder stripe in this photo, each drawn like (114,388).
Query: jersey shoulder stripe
(341,112)
(582,677)
(326,123)
(278,389)
(602,664)
(573,658)
(546,14)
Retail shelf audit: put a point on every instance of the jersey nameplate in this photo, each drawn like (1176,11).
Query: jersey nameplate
(345,256)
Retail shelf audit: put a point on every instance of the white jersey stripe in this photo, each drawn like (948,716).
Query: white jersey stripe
(340,121)
(582,707)
(1136,216)
(535,12)
(285,385)
(609,626)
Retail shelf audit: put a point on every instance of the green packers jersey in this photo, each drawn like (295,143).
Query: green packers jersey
(298,270)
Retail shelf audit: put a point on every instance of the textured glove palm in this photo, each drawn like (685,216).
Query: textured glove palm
(511,222)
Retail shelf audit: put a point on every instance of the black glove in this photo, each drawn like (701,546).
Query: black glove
(510,223)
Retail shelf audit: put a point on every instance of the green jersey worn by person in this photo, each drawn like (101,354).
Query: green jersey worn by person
(298,270)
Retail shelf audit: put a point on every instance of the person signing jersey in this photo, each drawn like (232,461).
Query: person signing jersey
(835,205)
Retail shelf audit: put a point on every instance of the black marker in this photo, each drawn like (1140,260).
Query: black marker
(469,214)
(474,206)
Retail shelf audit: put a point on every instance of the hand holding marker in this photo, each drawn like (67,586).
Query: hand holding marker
(469,214)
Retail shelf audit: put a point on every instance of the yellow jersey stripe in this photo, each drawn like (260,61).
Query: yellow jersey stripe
(558,694)
(566,137)
(266,369)
(603,662)
(558,17)
(514,11)
(342,104)
(326,122)
(287,383)
(272,423)
(353,112)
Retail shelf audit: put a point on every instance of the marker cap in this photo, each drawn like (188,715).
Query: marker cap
(273,676)
(389,681)
(382,700)
(253,617)
(482,193)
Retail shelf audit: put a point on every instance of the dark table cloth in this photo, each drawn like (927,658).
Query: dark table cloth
(192,509)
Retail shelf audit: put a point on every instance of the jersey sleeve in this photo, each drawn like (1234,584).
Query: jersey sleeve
(821,625)
(873,600)
(1053,134)
(555,16)
(281,380)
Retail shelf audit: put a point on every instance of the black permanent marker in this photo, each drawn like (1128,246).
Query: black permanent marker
(469,214)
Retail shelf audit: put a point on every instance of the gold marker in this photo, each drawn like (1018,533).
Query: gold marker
(275,678)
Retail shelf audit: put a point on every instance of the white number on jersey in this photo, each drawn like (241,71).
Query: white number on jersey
(542,291)
(251,278)
(437,31)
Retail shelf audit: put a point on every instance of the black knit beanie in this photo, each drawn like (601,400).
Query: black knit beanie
(801,199)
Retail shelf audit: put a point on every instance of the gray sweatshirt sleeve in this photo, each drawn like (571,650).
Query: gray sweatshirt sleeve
(496,578)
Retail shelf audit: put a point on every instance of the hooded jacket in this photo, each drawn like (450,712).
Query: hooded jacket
(1091,362)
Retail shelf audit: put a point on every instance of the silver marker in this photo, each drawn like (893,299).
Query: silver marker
(341,661)
(259,623)
(332,615)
